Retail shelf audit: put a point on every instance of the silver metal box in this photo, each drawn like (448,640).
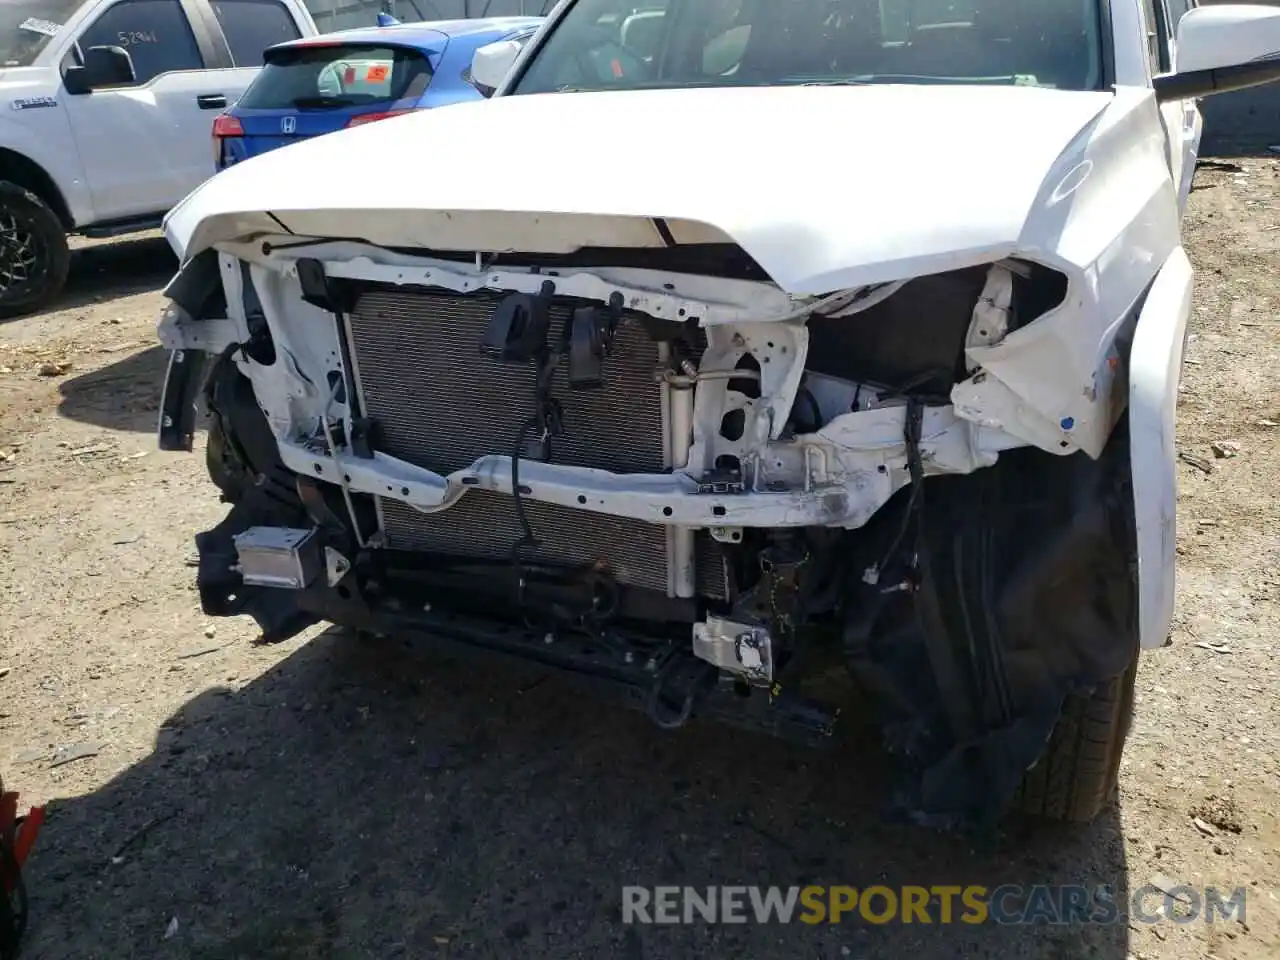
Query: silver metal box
(283,557)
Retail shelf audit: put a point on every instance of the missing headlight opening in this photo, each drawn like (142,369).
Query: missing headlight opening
(657,469)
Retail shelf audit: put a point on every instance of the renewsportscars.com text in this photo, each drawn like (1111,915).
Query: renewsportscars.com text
(937,904)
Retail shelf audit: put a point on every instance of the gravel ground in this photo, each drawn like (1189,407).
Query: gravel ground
(324,799)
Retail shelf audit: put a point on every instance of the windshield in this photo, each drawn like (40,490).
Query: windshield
(27,26)
(337,75)
(634,44)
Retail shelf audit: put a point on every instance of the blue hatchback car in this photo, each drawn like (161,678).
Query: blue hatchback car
(321,84)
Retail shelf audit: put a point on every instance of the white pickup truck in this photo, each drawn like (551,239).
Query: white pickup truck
(745,340)
(108,106)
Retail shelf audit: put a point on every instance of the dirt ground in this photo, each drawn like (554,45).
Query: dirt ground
(323,800)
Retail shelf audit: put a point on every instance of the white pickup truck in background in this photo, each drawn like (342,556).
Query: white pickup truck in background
(105,112)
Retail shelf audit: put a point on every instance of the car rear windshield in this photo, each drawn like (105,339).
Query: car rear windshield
(334,76)
(625,44)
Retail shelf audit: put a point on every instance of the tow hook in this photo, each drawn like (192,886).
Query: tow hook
(681,684)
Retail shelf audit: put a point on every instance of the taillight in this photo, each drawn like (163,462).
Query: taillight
(371,117)
(224,125)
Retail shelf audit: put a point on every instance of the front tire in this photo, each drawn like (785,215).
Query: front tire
(1076,778)
(34,257)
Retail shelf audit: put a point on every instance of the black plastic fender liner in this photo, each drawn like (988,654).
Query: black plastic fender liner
(197,290)
(1032,564)
(196,284)
(223,592)
(182,385)
(244,461)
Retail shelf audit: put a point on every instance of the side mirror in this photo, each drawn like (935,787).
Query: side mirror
(103,67)
(1223,48)
(491,64)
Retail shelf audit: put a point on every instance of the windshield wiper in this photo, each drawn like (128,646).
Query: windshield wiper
(834,83)
(1017,79)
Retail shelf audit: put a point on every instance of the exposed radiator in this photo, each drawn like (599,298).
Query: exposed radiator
(439,404)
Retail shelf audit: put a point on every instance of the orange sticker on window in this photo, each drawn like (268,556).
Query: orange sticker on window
(377,74)
(617,68)
(349,76)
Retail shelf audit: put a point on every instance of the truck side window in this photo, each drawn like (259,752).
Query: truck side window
(1173,11)
(1177,10)
(155,33)
(251,26)
(1157,39)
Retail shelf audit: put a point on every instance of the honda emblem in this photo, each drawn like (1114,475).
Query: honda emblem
(288,124)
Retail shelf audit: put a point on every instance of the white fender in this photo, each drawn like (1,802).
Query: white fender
(1155,367)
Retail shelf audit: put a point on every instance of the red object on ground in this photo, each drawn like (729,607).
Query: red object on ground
(18,835)
(26,834)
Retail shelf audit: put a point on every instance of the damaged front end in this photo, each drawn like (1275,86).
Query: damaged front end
(670,477)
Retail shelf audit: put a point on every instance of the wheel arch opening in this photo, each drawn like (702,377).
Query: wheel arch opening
(26,173)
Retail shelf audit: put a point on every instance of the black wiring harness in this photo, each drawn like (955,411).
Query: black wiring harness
(546,422)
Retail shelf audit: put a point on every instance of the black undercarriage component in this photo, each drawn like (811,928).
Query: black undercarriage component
(458,606)
(656,676)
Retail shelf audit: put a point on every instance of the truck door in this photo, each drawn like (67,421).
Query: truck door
(146,145)
(142,144)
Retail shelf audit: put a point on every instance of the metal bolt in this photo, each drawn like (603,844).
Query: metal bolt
(167,421)
(629,657)
(549,639)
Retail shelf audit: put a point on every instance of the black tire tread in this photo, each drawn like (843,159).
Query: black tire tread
(1076,778)
(42,218)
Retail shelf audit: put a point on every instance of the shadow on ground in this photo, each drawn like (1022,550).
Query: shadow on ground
(1245,123)
(121,396)
(120,268)
(359,801)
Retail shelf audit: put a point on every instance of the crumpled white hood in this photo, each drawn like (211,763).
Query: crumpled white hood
(826,187)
